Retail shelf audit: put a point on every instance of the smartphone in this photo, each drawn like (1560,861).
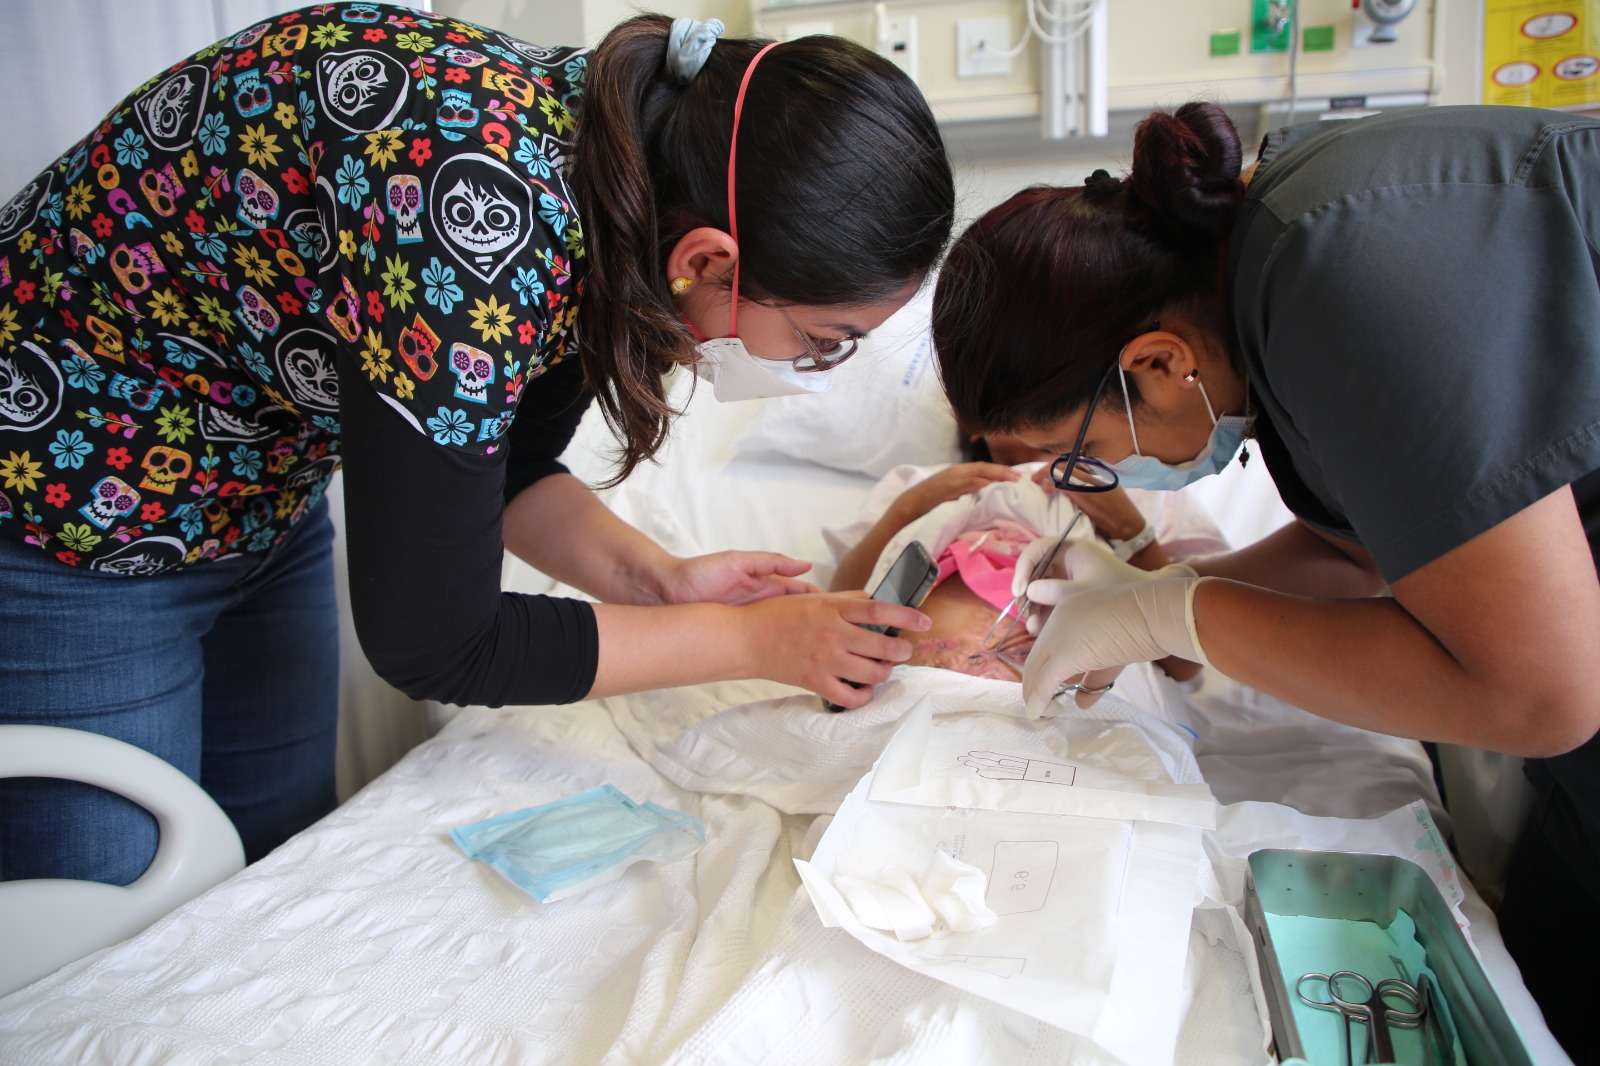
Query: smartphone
(908,582)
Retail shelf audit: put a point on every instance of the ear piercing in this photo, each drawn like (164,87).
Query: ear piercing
(680,286)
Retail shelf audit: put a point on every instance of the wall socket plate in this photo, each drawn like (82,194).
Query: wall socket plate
(977,41)
(899,45)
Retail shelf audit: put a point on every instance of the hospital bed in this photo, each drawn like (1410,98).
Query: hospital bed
(369,937)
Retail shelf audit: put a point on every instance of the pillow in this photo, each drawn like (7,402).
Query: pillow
(885,407)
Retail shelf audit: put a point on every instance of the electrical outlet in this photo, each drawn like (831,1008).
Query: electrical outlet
(899,44)
(977,42)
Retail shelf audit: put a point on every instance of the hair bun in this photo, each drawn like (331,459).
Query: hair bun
(1186,170)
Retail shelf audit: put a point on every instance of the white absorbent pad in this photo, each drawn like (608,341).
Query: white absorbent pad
(786,751)
(760,739)
(1093,914)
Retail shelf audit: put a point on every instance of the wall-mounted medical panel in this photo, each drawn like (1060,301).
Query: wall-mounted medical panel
(1155,52)
(970,82)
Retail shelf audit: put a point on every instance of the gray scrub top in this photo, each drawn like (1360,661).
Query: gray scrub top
(1416,300)
(1417,306)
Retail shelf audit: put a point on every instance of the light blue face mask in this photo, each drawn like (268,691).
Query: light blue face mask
(1139,471)
(560,849)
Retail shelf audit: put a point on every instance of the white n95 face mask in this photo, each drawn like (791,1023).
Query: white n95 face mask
(1140,471)
(735,374)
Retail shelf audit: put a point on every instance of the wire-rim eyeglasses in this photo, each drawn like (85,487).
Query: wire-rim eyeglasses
(1076,472)
(819,357)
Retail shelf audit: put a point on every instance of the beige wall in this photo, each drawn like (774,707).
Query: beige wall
(993,159)
(582,21)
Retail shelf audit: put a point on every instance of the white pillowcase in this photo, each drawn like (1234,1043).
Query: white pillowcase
(886,406)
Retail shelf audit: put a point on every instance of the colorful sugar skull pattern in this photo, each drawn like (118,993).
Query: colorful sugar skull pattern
(351,186)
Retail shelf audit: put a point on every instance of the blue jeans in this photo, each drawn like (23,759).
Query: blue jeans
(228,670)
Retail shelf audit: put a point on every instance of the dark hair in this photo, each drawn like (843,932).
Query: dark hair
(1037,298)
(844,195)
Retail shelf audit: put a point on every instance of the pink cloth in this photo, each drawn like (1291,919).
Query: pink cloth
(986,559)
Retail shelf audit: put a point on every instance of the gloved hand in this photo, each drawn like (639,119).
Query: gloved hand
(1087,561)
(1096,628)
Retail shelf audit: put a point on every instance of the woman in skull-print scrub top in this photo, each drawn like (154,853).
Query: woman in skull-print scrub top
(357,235)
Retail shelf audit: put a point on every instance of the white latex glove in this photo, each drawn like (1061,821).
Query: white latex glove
(1084,560)
(1098,628)
(1087,564)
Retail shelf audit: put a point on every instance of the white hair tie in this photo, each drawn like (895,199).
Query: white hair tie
(688,46)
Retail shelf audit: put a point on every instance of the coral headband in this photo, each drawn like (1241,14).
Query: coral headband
(733,151)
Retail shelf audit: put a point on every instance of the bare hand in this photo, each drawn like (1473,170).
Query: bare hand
(1113,514)
(817,643)
(951,483)
(734,577)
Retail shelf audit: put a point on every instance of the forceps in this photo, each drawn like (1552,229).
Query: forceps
(1376,1006)
(1018,607)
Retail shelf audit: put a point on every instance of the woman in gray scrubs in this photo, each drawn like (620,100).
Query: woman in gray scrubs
(1403,312)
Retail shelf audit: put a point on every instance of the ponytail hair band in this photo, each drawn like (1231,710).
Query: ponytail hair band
(689,45)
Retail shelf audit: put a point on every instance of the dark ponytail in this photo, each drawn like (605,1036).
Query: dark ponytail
(844,195)
(1037,298)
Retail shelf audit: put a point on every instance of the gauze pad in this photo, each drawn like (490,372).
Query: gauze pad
(956,891)
(949,891)
(561,848)
(889,901)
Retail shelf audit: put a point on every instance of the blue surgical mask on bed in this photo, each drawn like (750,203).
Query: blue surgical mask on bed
(735,374)
(561,848)
(1139,471)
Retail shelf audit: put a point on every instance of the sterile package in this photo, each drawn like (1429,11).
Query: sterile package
(559,849)
(1112,762)
(1092,915)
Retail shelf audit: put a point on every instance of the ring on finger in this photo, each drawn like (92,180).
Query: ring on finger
(1085,690)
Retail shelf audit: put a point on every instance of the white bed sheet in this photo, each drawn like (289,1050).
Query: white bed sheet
(370,938)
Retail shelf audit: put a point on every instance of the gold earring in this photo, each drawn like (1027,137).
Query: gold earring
(680,286)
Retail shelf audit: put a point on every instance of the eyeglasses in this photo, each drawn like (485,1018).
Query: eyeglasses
(819,356)
(1077,472)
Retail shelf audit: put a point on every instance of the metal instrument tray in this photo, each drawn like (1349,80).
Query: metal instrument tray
(1373,888)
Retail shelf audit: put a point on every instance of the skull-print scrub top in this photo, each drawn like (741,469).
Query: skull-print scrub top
(339,236)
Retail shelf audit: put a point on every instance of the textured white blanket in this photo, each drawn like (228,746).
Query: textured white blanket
(370,938)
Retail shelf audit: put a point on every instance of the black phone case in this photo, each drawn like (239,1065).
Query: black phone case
(929,577)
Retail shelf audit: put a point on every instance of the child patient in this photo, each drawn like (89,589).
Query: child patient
(991,511)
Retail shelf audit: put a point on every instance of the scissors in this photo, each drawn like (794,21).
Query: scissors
(1378,1006)
(1017,609)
